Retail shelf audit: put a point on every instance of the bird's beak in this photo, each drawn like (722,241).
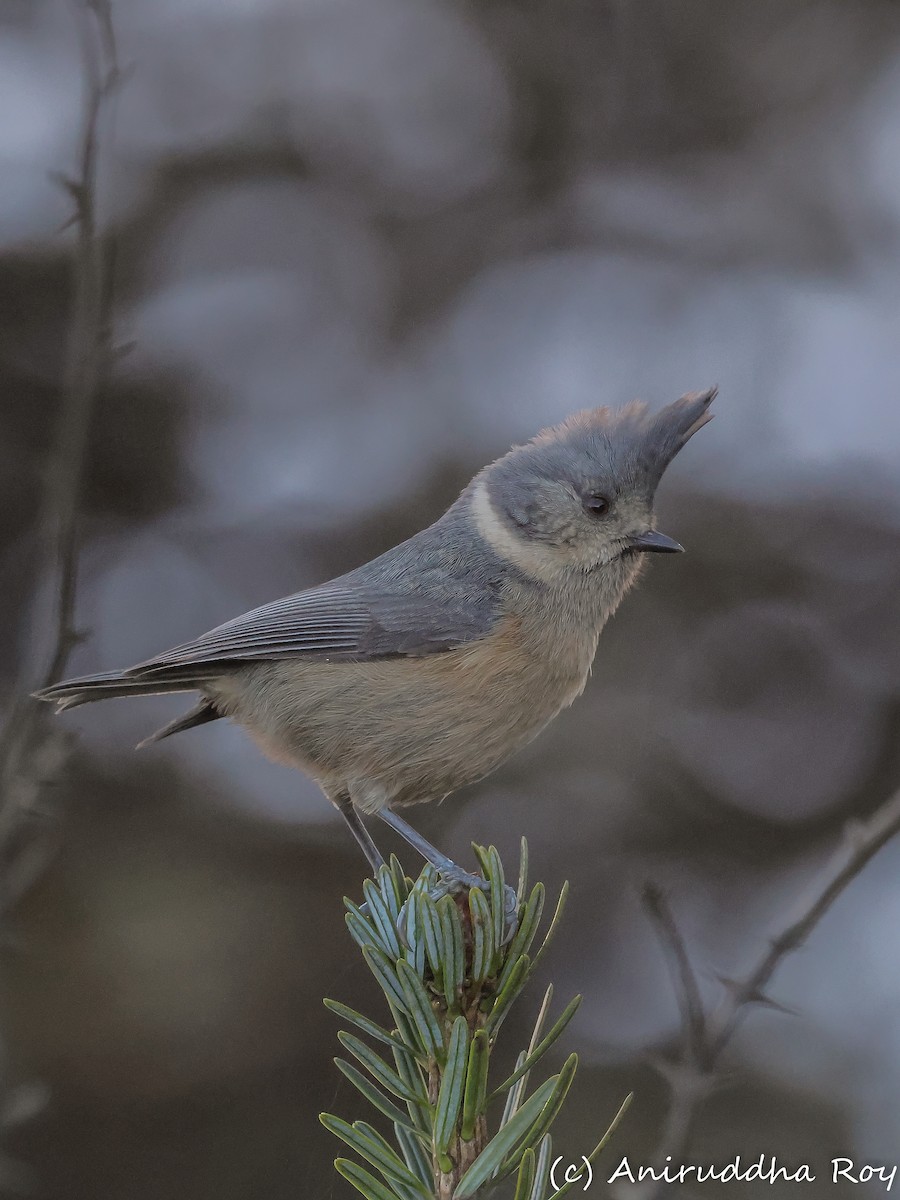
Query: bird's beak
(654,542)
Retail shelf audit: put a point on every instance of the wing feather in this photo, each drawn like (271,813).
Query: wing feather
(345,621)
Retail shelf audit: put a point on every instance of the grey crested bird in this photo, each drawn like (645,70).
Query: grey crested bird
(424,669)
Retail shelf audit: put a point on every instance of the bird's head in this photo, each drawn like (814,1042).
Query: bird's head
(580,495)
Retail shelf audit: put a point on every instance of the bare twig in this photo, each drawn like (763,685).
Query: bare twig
(87,359)
(687,988)
(708,1033)
(89,333)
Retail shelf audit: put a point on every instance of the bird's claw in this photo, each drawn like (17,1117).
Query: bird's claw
(510,914)
(451,883)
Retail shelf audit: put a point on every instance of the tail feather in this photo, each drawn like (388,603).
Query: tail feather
(108,686)
(113,684)
(200,714)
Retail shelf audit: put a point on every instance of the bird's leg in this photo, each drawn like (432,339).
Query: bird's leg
(452,876)
(346,808)
(445,866)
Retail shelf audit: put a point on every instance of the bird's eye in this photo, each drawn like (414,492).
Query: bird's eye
(596,504)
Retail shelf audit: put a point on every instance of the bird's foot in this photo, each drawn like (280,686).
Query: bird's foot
(449,878)
(450,882)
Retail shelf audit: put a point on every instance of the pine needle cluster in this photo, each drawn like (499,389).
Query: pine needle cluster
(451,969)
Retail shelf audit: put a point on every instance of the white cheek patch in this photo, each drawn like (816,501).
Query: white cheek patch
(546,563)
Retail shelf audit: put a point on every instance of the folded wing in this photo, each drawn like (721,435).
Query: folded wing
(336,622)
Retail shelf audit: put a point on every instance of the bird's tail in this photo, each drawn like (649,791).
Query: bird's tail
(111,685)
(108,686)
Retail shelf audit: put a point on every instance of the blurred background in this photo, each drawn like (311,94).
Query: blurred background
(362,246)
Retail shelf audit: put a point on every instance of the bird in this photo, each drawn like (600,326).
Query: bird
(423,670)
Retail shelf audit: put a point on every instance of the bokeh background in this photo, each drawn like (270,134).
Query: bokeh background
(362,246)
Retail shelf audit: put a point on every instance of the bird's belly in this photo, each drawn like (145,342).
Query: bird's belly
(405,729)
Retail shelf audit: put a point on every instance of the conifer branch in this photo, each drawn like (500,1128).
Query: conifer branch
(451,971)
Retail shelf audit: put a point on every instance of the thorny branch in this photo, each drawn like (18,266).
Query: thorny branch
(706,1034)
(87,360)
(89,334)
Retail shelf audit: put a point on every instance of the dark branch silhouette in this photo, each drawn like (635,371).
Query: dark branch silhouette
(707,1033)
(25,751)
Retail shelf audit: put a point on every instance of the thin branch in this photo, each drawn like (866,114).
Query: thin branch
(89,334)
(706,1035)
(87,360)
(684,980)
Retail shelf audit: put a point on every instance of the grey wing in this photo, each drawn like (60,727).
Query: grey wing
(340,621)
